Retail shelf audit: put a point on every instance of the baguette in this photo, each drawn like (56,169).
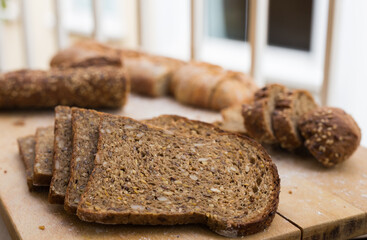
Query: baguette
(153,176)
(233,120)
(94,87)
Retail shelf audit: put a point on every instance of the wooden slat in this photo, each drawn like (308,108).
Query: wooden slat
(1,48)
(192,29)
(60,31)
(27,40)
(328,53)
(97,16)
(138,20)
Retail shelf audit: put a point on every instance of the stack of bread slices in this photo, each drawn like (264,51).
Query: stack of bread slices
(162,171)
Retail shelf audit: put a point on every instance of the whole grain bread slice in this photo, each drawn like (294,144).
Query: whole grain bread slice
(148,175)
(258,116)
(289,109)
(85,125)
(27,154)
(44,150)
(62,155)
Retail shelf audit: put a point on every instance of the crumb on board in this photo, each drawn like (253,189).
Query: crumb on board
(290,192)
(41,227)
(5,171)
(19,122)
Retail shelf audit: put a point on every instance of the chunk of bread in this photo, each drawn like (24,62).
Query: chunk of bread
(258,116)
(233,88)
(289,109)
(44,150)
(232,119)
(149,175)
(94,87)
(62,155)
(331,135)
(85,125)
(27,154)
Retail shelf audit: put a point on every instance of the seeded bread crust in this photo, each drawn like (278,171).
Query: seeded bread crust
(258,116)
(234,88)
(115,211)
(94,87)
(85,124)
(44,150)
(62,155)
(288,110)
(27,154)
(331,135)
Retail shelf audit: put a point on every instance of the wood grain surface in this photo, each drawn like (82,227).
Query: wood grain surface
(315,202)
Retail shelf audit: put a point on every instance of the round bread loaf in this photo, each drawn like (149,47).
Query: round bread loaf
(331,135)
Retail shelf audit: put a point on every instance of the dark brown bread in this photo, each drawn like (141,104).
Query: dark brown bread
(289,109)
(94,87)
(234,88)
(148,175)
(85,125)
(331,135)
(258,116)
(27,154)
(62,155)
(44,150)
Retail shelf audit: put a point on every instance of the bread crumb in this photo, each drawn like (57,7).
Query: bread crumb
(290,192)
(19,123)
(5,171)
(41,227)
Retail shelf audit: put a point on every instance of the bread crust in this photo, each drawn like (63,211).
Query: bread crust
(331,135)
(226,228)
(286,115)
(94,87)
(26,147)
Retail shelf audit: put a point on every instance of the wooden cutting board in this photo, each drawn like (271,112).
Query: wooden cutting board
(314,203)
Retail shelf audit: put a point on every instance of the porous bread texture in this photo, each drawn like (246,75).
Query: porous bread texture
(258,116)
(44,149)
(149,175)
(331,135)
(27,154)
(85,125)
(62,155)
(289,109)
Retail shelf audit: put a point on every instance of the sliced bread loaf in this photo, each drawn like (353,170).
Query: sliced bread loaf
(258,116)
(85,125)
(147,175)
(289,109)
(233,119)
(331,135)
(62,155)
(27,154)
(44,150)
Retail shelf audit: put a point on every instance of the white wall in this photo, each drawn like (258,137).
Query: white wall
(348,80)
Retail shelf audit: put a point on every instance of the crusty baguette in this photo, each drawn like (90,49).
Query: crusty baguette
(331,135)
(288,110)
(148,175)
(44,150)
(234,88)
(62,155)
(94,87)
(233,119)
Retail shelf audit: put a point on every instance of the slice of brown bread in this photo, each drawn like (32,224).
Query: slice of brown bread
(27,154)
(289,109)
(331,135)
(85,125)
(44,150)
(148,175)
(62,155)
(258,116)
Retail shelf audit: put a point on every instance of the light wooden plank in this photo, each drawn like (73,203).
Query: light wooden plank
(97,19)
(319,213)
(26,211)
(27,40)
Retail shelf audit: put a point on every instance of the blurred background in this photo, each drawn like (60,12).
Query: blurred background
(319,45)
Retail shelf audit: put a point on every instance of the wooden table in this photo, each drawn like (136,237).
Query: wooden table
(315,202)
